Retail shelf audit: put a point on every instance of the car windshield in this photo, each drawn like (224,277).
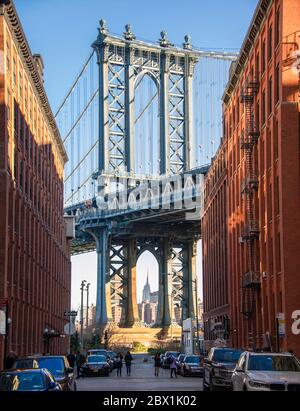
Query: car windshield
(227,356)
(273,363)
(192,360)
(54,365)
(24,364)
(96,358)
(98,352)
(29,381)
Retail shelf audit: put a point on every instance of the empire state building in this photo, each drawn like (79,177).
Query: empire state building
(147,291)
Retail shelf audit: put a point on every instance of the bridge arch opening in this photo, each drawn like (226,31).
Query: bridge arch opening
(146,130)
(147,283)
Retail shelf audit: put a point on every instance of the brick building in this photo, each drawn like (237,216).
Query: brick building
(261,140)
(35,271)
(214,235)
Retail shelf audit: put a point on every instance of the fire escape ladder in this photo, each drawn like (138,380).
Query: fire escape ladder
(250,281)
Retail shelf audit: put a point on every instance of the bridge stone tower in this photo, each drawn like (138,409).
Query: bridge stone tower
(122,63)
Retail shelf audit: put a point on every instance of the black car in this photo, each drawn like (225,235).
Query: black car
(58,366)
(96,365)
(28,380)
(192,365)
(219,367)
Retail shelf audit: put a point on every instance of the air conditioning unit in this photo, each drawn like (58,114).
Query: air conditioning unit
(241,240)
(264,274)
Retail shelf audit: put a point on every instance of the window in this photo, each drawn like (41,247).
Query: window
(257,66)
(277,83)
(276,141)
(277,35)
(257,116)
(263,57)
(270,53)
(7,57)
(263,114)
(270,95)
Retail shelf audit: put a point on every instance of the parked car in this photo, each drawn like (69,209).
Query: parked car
(96,365)
(167,358)
(192,365)
(28,380)
(180,359)
(58,366)
(266,372)
(218,368)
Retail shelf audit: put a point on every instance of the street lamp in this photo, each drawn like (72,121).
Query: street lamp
(81,312)
(87,304)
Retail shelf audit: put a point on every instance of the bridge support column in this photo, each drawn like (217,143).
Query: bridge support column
(131,312)
(189,280)
(164,315)
(103,302)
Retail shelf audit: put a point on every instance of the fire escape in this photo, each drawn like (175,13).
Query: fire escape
(251,280)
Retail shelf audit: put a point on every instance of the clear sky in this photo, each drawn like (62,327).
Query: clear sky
(63,30)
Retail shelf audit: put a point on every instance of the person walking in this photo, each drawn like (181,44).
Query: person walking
(119,364)
(156,364)
(72,359)
(128,361)
(173,367)
(79,363)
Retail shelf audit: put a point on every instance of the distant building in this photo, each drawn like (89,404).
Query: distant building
(154,297)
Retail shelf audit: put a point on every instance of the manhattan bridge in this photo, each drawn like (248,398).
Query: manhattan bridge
(140,124)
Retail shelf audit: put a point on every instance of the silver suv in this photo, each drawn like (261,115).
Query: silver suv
(266,372)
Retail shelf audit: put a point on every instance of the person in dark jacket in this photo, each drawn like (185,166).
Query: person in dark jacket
(156,364)
(72,359)
(119,364)
(10,360)
(80,359)
(128,361)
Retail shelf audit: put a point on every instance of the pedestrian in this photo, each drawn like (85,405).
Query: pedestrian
(71,359)
(173,367)
(10,360)
(128,361)
(119,365)
(156,364)
(79,363)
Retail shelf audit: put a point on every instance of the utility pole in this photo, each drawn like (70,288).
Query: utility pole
(197,316)
(87,304)
(81,313)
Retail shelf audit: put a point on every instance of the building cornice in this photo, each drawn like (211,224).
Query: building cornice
(249,41)
(14,23)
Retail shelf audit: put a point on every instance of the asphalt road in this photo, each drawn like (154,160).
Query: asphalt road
(142,379)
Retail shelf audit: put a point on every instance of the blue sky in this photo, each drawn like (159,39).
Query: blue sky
(63,30)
